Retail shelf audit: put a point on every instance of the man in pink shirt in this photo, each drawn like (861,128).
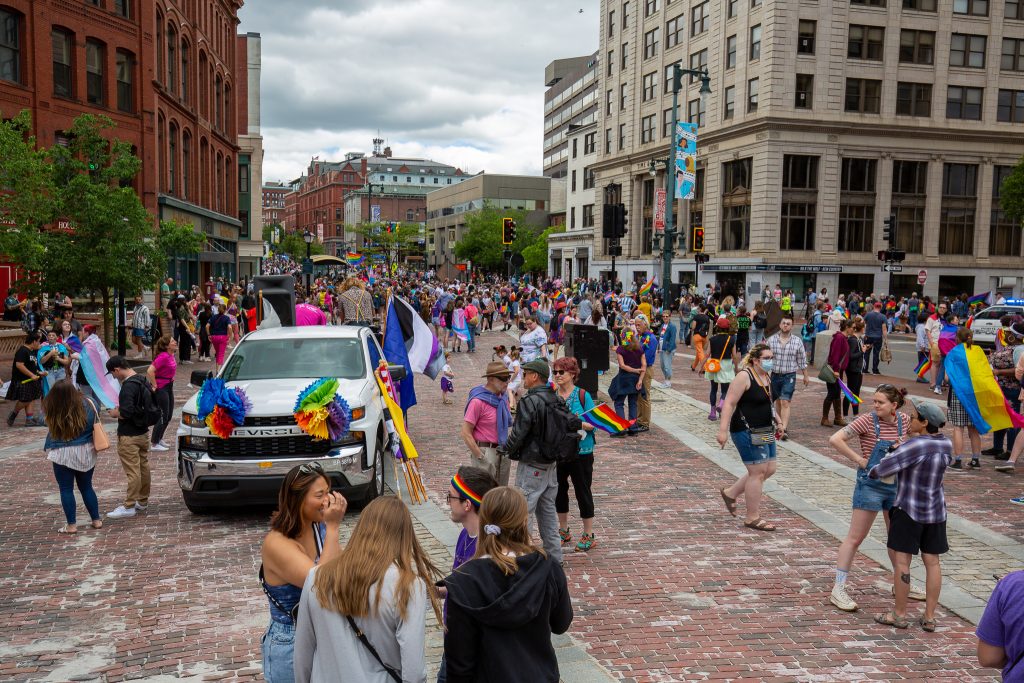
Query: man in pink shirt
(473,322)
(307,314)
(487,421)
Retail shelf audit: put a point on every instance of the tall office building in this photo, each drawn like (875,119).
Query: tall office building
(824,118)
(570,99)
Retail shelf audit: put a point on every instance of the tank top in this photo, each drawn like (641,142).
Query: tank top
(755,405)
(283,599)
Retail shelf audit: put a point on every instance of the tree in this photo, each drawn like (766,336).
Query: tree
(481,242)
(535,256)
(27,201)
(294,245)
(387,239)
(1011,193)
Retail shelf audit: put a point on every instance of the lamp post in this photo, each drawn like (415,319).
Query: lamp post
(668,243)
(307,236)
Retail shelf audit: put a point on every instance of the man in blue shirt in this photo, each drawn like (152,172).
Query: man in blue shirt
(649,343)
(875,334)
(669,335)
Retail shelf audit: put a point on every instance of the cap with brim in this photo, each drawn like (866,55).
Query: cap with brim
(538,366)
(1017,329)
(497,369)
(929,411)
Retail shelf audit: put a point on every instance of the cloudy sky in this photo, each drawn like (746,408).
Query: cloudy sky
(457,81)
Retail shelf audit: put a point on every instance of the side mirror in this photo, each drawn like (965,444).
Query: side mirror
(198,377)
(397,372)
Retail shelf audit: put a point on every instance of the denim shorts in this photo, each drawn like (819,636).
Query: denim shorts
(752,454)
(873,496)
(783,386)
(279,653)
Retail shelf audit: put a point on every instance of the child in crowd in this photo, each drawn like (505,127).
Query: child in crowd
(447,375)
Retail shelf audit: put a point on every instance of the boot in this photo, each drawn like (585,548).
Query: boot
(713,415)
(837,406)
(824,415)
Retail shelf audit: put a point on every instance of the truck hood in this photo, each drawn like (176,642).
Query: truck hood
(272,397)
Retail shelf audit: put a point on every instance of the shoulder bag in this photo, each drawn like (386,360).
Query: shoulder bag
(100,440)
(373,651)
(827,374)
(714,365)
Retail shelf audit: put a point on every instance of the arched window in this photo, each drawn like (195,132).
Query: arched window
(125,81)
(204,173)
(11,26)
(63,44)
(186,56)
(228,118)
(229,203)
(218,103)
(159,47)
(161,154)
(186,166)
(95,72)
(218,179)
(204,86)
(172,159)
(172,59)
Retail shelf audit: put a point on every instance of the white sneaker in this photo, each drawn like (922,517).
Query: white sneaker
(139,507)
(163,443)
(121,511)
(840,599)
(937,391)
(158,447)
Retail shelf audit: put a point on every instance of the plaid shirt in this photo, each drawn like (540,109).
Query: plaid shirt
(921,462)
(789,357)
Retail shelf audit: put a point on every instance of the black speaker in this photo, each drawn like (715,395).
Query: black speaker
(587,343)
(275,295)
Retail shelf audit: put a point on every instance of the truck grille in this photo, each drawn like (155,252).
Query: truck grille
(271,421)
(266,449)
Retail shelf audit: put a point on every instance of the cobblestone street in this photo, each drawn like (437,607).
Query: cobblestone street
(676,589)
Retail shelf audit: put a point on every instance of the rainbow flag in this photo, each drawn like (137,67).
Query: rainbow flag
(648,286)
(605,418)
(979,299)
(947,337)
(559,295)
(975,386)
(354,259)
(850,396)
(923,367)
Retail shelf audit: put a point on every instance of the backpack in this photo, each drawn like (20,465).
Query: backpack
(149,412)
(561,432)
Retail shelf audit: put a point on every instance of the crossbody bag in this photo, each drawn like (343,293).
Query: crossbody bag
(395,676)
(760,435)
(294,611)
(714,365)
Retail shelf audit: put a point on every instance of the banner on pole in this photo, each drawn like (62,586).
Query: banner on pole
(686,159)
(375,213)
(659,210)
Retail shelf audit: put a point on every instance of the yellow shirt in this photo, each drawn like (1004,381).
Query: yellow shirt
(786,305)
(645,308)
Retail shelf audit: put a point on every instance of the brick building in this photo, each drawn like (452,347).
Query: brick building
(165,72)
(273,202)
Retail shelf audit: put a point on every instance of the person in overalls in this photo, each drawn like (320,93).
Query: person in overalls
(876,432)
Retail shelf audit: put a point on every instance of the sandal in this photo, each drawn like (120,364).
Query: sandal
(730,503)
(97,524)
(64,530)
(760,525)
(890,619)
(927,624)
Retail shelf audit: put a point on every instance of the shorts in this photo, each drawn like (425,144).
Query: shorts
(278,648)
(750,453)
(908,536)
(138,332)
(936,356)
(783,386)
(872,496)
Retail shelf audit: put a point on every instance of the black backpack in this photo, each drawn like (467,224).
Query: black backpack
(561,432)
(149,412)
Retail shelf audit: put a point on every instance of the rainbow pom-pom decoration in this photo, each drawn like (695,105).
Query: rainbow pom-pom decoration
(221,407)
(320,412)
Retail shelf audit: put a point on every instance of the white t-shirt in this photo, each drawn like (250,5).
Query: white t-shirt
(533,343)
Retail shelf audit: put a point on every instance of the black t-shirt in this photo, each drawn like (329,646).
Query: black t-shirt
(703,322)
(722,346)
(27,357)
(11,310)
(219,325)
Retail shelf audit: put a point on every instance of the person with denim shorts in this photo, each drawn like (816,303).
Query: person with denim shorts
(748,417)
(789,358)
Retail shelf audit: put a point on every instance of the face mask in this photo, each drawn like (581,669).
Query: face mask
(766,365)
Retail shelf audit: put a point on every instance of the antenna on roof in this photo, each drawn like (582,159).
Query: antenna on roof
(377,142)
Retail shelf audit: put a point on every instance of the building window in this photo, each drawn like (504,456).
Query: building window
(572,182)
(909,197)
(622,136)
(870,3)
(799,202)
(964,103)
(799,172)
(572,217)
(914,99)
(647,128)
(172,59)
(1011,106)
(920,5)
(218,94)
(95,63)
(700,18)
(959,202)
(243,184)
(625,16)
(650,7)
(736,205)
(611,61)
(857,205)
(797,228)
(186,165)
(730,52)
(698,62)
(123,8)
(588,215)
(729,108)
(589,179)
(865,42)
(589,143)
(752,88)
(855,228)
(184,71)
(172,160)
(625,54)
(125,82)
(805,37)
(650,86)
(651,43)
(695,111)
(1013,55)
(607,140)
(668,79)
(1014,9)
(63,82)
(611,23)
(623,93)
(917,47)
(863,95)
(755,3)
(575,149)
(977,8)
(608,102)
(966,50)
(1005,234)
(804,91)
(755,42)
(666,123)
(675,31)
(10,46)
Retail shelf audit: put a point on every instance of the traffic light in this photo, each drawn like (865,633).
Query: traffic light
(608,218)
(620,224)
(702,258)
(897,255)
(508,231)
(889,230)
(698,238)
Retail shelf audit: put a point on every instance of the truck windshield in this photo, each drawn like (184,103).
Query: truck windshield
(295,358)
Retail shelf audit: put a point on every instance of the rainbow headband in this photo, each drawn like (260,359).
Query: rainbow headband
(462,488)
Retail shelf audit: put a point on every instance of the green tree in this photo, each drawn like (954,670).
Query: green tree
(1011,193)
(27,201)
(535,256)
(481,242)
(391,242)
(294,245)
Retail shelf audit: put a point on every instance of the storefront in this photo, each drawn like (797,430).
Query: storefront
(218,257)
(750,279)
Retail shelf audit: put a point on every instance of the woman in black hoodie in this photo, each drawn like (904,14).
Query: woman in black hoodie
(504,604)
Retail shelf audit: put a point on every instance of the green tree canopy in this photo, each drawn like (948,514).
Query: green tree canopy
(292,244)
(1011,193)
(387,239)
(27,192)
(535,256)
(481,242)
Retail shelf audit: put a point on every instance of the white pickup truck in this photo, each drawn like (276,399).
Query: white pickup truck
(273,366)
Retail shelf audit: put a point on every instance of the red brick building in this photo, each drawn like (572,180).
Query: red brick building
(165,73)
(273,203)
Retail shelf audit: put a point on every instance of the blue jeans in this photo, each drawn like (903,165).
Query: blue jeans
(1008,436)
(442,672)
(940,375)
(66,480)
(620,408)
(471,342)
(666,364)
(279,653)
(871,357)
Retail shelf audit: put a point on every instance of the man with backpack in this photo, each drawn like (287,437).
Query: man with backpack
(136,413)
(545,433)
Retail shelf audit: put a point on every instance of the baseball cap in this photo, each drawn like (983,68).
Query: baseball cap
(538,366)
(929,411)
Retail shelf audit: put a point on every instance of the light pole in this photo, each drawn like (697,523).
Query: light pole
(307,236)
(668,243)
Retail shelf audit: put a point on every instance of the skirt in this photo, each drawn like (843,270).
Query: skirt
(724,376)
(446,385)
(955,413)
(25,393)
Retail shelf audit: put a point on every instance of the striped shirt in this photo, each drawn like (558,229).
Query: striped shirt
(789,357)
(921,462)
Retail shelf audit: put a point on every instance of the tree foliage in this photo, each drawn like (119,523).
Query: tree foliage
(1011,193)
(385,239)
(294,245)
(27,201)
(535,256)
(481,242)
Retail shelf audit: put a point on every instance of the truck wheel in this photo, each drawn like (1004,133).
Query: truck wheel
(376,487)
(194,507)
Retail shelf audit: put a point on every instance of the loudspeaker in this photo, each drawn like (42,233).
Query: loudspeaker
(587,343)
(275,300)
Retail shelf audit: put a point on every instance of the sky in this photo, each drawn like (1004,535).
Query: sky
(457,81)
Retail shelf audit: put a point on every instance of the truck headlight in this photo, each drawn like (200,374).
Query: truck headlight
(197,442)
(190,420)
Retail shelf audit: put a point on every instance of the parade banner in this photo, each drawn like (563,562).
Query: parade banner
(375,213)
(686,159)
(659,210)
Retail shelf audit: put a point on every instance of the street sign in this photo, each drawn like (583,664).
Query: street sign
(922,276)
(659,210)
(892,268)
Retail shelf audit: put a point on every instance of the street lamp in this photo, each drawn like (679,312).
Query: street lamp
(668,244)
(307,236)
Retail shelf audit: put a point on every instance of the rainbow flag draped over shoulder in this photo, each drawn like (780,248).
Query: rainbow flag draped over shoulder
(354,259)
(947,337)
(605,418)
(975,386)
(648,286)
(923,367)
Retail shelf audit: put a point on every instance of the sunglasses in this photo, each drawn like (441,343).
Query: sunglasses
(559,372)
(311,468)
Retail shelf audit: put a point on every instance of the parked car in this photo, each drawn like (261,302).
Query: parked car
(985,324)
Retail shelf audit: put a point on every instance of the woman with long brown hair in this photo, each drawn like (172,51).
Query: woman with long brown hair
(504,604)
(303,531)
(70,417)
(364,612)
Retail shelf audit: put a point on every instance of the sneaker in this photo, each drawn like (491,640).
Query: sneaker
(1017,501)
(915,594)
(1007,468)
(163,443)
(158,447)
(957,465)
(139,507)
(34,421)
(937,390)
(992,451)
(922,380)
(11,418)
(586,543)
(1003,457)
(121,511)
(565,535)
(839,422)
(974,464)
(840,599)
(643,428)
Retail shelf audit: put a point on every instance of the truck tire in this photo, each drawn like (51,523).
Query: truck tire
(376,487)
(195,508)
